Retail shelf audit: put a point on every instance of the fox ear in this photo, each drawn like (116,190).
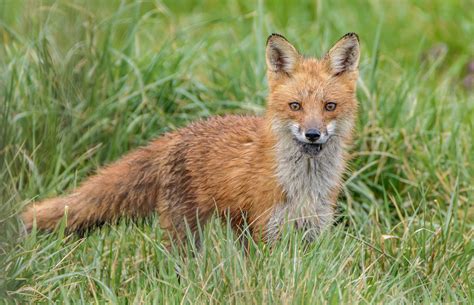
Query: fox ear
(280,54)
(344,55)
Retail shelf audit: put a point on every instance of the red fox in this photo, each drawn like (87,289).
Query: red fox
(263,171)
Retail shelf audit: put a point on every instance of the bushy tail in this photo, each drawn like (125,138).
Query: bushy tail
(127,188)
(49,213)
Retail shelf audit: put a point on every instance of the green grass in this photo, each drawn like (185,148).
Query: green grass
(83,82)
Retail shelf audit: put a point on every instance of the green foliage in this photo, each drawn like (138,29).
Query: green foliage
(82,82)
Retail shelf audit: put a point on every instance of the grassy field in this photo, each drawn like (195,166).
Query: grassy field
(83,82)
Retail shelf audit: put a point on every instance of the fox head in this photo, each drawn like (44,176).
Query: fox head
(312,100)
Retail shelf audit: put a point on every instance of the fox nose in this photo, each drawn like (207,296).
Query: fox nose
(312,134)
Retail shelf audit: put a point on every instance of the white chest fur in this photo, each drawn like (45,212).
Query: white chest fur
(308,182)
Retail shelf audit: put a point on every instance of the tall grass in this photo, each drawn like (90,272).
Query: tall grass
(83,82)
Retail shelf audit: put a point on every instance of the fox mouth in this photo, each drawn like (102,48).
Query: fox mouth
(312,149)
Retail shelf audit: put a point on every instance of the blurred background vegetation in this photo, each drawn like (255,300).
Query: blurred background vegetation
(82,82)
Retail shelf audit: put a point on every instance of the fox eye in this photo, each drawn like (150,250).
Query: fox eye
(330,106)
(295,106)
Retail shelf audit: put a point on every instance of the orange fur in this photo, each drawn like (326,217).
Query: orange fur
(226,164)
